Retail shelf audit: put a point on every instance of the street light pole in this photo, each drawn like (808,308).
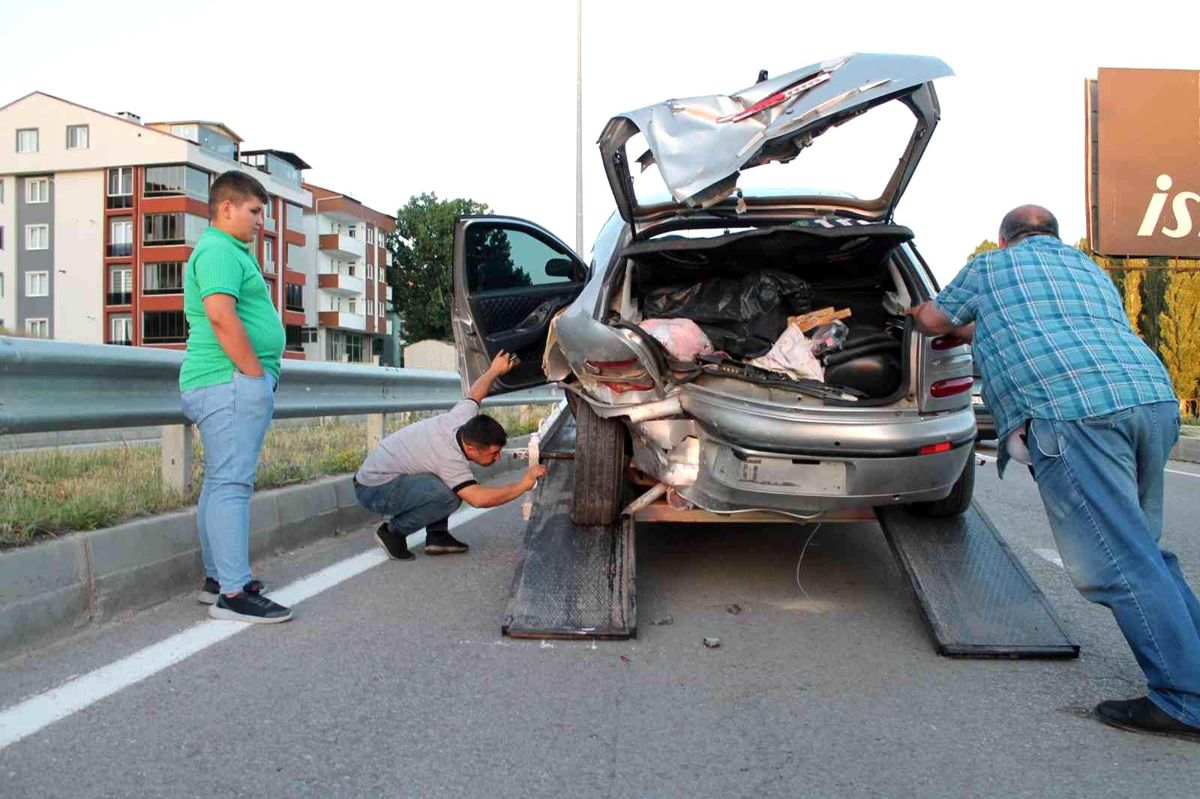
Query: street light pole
(579,127)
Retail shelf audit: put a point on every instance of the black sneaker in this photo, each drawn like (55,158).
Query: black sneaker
(393,543)
(212,589)
(1142,715)
(252,608)
(440,542)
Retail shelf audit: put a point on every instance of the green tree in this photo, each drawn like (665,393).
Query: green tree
(422,256)
(1154,303)
(1179,329)
(984,246)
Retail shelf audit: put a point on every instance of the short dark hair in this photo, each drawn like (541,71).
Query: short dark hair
(238,187)
(484,431)
(1028,220)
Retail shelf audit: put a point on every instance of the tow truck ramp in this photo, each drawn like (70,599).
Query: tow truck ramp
(578,582)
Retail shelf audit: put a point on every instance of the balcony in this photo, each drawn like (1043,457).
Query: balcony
(338,283)
(123,250)
(346,321)
(119,297)
(342,247)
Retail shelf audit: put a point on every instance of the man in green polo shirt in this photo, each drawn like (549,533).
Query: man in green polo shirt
(235,343)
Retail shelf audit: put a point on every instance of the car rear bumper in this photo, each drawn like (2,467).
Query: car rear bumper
(732,478)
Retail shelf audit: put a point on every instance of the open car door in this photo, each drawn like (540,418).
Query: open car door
(510,278)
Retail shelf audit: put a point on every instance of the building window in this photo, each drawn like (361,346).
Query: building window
(165,277)
(37,328)
(1,191)
(120,285)
(77,137)
(308,335)
(294,297)
(120,237)
(295,342)
(162,181)
(37,190)
(295,218)
(27,140)
(353,348)
(120,187)
(1,288)
(37,284)
(120,329)
(1,238)
(370,235)
(268,255)
(37,237)
(175,228)
(370,272)
(163,327)
(370,307)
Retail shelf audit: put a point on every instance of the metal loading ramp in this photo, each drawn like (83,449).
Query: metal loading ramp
(977,598)
(572,582)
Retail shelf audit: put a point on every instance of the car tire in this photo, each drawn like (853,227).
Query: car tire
(599,467)
(960,496)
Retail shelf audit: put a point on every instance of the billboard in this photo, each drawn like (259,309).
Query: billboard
(1143,162)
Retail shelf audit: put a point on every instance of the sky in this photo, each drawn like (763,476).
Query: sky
(478,99)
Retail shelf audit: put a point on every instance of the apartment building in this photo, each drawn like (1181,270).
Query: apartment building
(99,213)
(352,297)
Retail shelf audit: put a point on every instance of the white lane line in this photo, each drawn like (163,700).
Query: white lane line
(1050,555)
(33,714)
(1168,471)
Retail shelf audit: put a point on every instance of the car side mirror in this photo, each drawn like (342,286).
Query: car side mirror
(561,267)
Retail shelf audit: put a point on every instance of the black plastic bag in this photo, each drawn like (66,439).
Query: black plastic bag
(741,316)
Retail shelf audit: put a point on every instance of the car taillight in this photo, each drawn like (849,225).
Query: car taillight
(947,342)
(933,449)
(948,388)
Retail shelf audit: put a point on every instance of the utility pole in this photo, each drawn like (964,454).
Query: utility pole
(579,127)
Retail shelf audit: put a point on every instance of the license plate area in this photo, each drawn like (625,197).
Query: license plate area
(804,476)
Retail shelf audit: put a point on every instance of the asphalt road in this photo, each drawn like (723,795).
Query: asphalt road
(396,682)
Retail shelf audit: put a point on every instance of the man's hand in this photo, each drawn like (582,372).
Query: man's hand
(532,475)
(503,363)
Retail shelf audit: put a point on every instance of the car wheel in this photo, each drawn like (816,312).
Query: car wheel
(599,467)
(960,496)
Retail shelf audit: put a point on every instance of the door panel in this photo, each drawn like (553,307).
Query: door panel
(510,278)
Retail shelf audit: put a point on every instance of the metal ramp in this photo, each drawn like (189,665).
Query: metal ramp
(977,598)
(573,582)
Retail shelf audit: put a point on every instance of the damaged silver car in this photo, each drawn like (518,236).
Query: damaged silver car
(886,419)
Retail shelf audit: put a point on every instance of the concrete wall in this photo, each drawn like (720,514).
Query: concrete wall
(430,354)
(78,231)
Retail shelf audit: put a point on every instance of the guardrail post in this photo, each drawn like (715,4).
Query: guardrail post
(376,427)
(177,457)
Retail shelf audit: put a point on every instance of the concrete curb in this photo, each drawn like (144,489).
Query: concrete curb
(52,589)
(1188,449)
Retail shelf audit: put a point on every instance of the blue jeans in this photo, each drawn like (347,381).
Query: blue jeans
(412,501)
(233,419)
(1101,480)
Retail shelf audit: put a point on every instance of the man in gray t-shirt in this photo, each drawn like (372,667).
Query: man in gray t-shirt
(421,473)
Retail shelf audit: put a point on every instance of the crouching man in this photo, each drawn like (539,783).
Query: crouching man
(420,474)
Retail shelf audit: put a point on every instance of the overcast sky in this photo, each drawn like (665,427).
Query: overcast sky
(477,99)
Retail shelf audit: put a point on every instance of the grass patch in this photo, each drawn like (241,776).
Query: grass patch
(51,493)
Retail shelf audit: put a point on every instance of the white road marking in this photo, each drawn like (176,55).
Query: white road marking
(991,459)
(33,714)
(1050,555)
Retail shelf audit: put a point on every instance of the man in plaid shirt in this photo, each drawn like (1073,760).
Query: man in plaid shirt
(1090,407)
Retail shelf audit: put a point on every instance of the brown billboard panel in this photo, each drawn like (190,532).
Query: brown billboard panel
(1143,162)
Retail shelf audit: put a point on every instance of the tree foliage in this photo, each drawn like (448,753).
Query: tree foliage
(1179,330)
(422,256)
(984,246)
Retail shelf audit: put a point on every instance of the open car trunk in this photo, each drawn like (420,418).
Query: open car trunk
(741,288)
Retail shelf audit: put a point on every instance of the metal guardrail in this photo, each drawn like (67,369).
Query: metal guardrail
(48,385)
